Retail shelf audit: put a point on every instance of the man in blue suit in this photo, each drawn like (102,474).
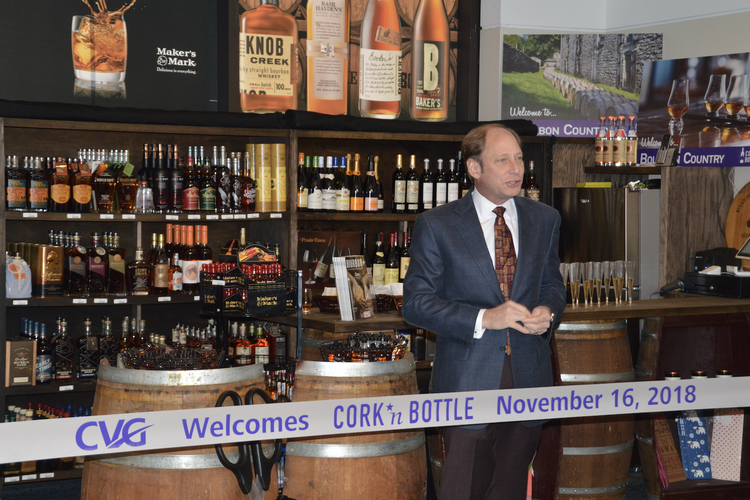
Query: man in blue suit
(492,331)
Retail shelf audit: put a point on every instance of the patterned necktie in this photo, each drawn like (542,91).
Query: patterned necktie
(505,260)
(505,253)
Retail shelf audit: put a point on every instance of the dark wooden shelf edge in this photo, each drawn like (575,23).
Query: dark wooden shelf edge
(51,216)
(623,170)
(389,320)
(55,387)
(131,300)
(58,475)
(355,216)
(696,305)
(709,488)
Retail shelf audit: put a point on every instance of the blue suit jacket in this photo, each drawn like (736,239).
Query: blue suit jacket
(452,276)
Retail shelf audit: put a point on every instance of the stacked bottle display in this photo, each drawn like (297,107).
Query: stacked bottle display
(613,145)
(365,348)
(105,181)
(336,184)
(40,411)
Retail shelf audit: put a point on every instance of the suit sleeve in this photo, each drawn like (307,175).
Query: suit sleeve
(427,301)
(552,292)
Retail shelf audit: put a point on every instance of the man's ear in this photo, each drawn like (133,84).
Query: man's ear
(473,167)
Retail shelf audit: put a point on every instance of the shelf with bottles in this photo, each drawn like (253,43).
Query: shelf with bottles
(101,301)
(54,387)
(35,477)
(119,217)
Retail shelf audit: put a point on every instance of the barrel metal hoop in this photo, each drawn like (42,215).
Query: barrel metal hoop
(592,491)
(328,369)
(645,440)
(312,450)
(591,326)
(597,377)
(598,450)
(434,461)
(182,377)
(205,461)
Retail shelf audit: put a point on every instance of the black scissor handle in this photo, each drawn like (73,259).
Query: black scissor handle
(262,464)
(243,469)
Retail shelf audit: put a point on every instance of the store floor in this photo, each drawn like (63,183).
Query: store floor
(71,490)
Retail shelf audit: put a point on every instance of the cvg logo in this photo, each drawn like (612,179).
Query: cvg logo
(123,433)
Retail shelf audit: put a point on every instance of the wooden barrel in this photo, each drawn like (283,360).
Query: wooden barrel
(178,473)
(628,108)
(312,339)
(406,80)
(598,104)
(372,466)
(288,6)
(408,8)
(595,451)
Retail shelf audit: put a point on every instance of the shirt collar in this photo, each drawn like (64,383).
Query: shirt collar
(485,207)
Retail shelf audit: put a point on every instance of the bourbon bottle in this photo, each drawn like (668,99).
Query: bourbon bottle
(429,62)
(380,61)
(268,59)
(327,56)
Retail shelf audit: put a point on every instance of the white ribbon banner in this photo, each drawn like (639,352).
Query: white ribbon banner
(111,434)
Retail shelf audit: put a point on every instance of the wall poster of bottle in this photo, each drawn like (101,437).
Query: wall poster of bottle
(121,53)
(386,59)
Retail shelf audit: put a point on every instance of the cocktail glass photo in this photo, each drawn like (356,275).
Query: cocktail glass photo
(736,95)
(100,48)
(598,282)
(677,105)
(618,279)
(716,94)
(575,282)
(629,279)
(606,279)
(310,258)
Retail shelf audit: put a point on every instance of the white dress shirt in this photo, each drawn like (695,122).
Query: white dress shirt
(484,208)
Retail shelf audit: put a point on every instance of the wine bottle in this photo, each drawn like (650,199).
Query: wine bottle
(380,61)
(315,191)
(190,272)
(378,262)
(366,254)
(161,182)
(453,182)
(176,181)
(160,276)
(464,179)
(328,56)
(398,188)
(429,62)
(412,187)
(321,267)
(391,262)
(357,197)
(427,188)
(328,188)
(371,186)
(301,185)
(531,187)
(441,185)
(343,194)
(405,257)
(381,201)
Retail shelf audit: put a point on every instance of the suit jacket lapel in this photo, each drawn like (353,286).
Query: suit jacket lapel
(467,225)
(526,231)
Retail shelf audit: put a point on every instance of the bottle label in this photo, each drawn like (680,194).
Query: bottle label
(412,192)
(631,157)
(116,264)
(427,196)
(378,274)
(44,367)
(320,269)
(190,199)
(266,64)
(208,199)
(161,275)
(16,193)
(329,199)
(315,200)
(343,199)
(607,151)
(302,198)
(429,62)
(391,276)
(38,194)
(190,274)
(175,282)
(97,266)
(399,192)
(379,74)
(404,266)
(261,354)
(356,204)
(598,151)
(452,191)
(249,195)
(441,193)
(389,36)
(82,194)
(371,204)
(532,193)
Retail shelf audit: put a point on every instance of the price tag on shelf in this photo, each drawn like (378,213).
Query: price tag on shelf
(106,216)
(28,477)
(194,216)
(20,302)
(172,217)
(276,216)
(74,216)
(165,299)
(66,388)
(80,301)
(253,216)
(218,282)
(13,479)
(128,216)
(46,475)
(32,215)
(119,301)
(240,216)
(196,298)
(212,217)
(227,217)
(100,301)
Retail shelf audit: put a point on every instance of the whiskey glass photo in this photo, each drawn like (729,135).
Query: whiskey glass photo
(716,93)
(606,279)
(736,92)
(598,282)
(629,279)
(575,282)
(100,48)
(618,279)
(677,105)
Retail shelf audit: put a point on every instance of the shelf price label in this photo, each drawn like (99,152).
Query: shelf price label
(164,299)
(30,215)
(74,216)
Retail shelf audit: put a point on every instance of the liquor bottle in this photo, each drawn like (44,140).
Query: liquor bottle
(427,188)
(357,195)
(398,188)
(531,187)
(391,262)
(223,180)
(268,65)
(98,267)
(607,151)
(371,187)
(75,277)
(82,190)
(154,248)
(328,56)
(599,142)
(109,346)
(248,185)
(59,187)
(176,181)
(412,187)
(453,182)
(161,180)
(328,188)
(125,337)
(429,62)
(302,192)
(44,355)
(381,201)
(175,276)
(631,156)
(262,346)
(619,144)
(324,261)
(87,347)
(16,186)
(127,186)
(160,276)
(116,279)
(236,186)
(144,174)
(191,192)
(405,257)
(64,352)
(315,189)
(205,255)
(343,193)
(441,185)
(243,348)
(139,274)
(380,61)
(207,191)
(378,262)
(366,254)
(190,271)
(104,186)
(38,188)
